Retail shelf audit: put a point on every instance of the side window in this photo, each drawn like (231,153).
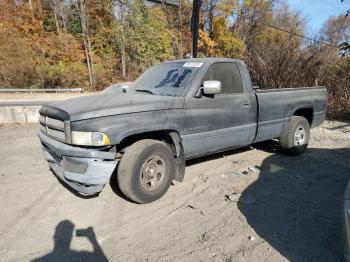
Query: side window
(228,74)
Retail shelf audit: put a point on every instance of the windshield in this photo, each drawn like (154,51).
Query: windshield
(168,79)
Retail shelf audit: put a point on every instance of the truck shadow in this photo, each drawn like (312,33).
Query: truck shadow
(299,203)
(62,240)
(113,183)
(195,161)
(72,190)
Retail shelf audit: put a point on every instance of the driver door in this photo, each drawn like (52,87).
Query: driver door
(217,122)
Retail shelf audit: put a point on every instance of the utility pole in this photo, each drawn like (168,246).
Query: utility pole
(194,26)
(194,20)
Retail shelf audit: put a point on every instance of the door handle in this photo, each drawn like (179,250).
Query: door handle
(246,105)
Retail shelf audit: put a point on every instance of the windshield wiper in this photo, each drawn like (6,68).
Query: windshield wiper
(145,91)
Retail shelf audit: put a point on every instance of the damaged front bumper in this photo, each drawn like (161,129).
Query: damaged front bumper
(84,170)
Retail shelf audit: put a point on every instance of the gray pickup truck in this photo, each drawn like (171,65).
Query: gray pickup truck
(174,111)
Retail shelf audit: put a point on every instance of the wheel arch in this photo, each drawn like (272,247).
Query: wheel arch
(306,112)
(169,136)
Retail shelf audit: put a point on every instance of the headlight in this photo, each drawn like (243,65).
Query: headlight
(90,139)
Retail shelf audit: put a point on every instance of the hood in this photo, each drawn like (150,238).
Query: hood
(100,105)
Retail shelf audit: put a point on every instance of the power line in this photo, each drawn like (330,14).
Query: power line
(292,33)
(299,35)
(284,30)
(332,5)
(344,3)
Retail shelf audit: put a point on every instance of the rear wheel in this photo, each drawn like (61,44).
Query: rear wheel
(295,138)
(146,170)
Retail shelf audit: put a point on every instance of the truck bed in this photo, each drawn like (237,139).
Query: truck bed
(277,106)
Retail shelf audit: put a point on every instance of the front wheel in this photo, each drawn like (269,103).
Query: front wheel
(295,138)
(146,170)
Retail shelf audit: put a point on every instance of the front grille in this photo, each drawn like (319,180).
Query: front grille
(53,127)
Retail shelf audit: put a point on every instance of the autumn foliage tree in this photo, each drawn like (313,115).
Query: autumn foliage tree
(93,43)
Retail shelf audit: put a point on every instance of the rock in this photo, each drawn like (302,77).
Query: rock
(253,169)
(203,177)
(232,197)
(205,237)
(227,198)
(238,197)
(235,190)
(235,174)
(251,238)
(245,172)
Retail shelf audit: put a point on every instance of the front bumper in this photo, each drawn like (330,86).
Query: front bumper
(84,170)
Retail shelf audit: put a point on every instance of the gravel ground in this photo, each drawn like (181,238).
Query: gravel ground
(250,204)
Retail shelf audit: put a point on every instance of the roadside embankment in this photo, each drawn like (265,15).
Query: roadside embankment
(24,108)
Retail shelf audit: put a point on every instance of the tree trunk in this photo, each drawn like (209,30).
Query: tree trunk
(31,8)
(123,42)
(64,20)
(57,24)
(87,45)
(211,21)
(88,61)
(39,15)
(123,55)
(55,7)
(181,34)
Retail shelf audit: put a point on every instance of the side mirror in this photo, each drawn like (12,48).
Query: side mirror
(211,87)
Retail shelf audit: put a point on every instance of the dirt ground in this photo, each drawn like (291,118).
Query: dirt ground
(281,209)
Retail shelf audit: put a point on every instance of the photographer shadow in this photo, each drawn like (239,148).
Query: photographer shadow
(62,252)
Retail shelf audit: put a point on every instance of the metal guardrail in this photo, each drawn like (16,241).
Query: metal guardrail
(175,3)
(41,90)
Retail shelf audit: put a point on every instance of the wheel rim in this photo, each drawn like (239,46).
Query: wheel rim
(153,173)
(299,136)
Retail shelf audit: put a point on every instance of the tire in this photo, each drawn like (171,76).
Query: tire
(146,170)
(295,138)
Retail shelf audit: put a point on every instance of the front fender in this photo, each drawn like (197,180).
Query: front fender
(142,130)
(119,127)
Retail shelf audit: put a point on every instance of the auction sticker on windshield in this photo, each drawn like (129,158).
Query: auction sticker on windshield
(192,64)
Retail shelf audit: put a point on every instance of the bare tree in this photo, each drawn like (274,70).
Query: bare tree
(121,11)
(123,41)
(55,6)
(30,2)
(86,39)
